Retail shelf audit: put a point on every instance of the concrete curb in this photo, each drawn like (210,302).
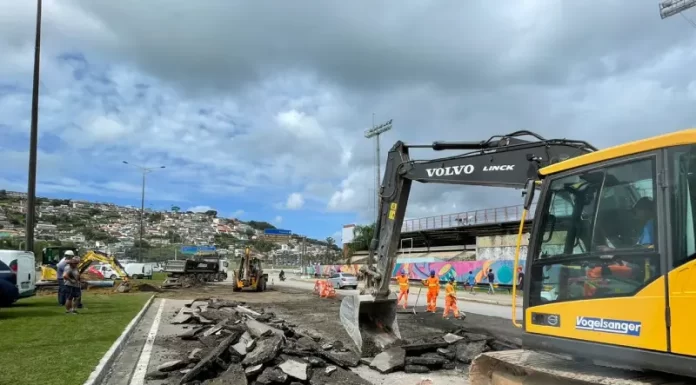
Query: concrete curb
(97,375)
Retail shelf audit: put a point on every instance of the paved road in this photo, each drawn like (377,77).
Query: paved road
(467,307)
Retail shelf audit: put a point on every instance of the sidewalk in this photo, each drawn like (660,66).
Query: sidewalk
(480,296)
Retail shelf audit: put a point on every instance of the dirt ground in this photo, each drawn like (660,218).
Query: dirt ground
(307,310)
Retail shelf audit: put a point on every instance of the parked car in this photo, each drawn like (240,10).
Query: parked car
(9,293)
(107,271)
(23,265)
(344,280)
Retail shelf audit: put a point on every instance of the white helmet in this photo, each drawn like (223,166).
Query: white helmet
(69,253)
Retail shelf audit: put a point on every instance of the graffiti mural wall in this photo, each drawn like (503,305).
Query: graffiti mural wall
(503,269)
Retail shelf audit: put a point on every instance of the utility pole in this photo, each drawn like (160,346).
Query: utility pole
(302,256)
(33,138)
(145,171)
(375,131)
(672,7)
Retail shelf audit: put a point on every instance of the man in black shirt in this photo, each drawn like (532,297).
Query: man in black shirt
(491,279)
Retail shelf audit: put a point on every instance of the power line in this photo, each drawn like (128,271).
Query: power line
(693,24)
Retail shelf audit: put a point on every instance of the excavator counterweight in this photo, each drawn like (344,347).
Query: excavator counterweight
(501,161)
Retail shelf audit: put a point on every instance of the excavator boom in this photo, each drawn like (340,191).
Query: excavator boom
(501,161)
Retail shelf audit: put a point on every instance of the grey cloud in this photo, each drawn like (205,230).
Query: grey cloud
(443,70)
(364,45)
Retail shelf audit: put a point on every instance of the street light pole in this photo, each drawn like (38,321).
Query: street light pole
(375,131)
(145,171)
(33,137)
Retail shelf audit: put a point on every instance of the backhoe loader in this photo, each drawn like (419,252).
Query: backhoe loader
(611,261)
(250,274)
(51,255)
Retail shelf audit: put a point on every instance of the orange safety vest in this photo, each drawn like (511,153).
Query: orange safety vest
(449,291)
(433,283)
(403,283)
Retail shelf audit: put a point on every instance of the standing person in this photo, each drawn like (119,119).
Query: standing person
(491,279)
(60,268)
(71,277)
(471,281)
(433,285)
(403,288)
(451,301)
(520,278)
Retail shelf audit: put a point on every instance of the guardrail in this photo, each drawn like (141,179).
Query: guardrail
(468,218)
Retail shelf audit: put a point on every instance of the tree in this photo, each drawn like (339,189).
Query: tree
(261,225)
(211,213)
(94,212)
(3,194)
(362,236)
(176,209)
(145,244)
(329,243)
(264,246)
(173,237)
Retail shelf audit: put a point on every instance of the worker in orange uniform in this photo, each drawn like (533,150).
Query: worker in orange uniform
(433,285)
(451,301)
(403,288)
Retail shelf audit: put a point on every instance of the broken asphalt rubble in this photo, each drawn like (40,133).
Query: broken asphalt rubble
(241,346)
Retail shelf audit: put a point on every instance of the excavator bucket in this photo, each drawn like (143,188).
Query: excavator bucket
(370,322)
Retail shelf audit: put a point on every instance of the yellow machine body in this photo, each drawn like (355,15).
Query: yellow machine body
(628,303)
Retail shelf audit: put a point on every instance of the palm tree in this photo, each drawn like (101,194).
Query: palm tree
(329,243)
(362,236)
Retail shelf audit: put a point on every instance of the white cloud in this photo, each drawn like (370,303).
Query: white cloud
(237,214)
(277,220)
(200,209)
(295,201)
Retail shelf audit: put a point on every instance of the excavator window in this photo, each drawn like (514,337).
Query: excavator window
(683,202)
(598,235)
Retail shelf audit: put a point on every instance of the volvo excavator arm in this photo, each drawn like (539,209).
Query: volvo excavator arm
(501,161)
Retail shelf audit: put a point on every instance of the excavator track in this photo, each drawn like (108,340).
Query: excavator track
(525,367)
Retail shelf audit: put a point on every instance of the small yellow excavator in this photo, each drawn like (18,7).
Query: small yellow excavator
(51,255)
(250,274)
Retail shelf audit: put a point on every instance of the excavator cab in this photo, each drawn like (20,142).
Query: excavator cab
(50,256)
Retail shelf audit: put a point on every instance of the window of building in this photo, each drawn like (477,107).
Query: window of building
(599,234)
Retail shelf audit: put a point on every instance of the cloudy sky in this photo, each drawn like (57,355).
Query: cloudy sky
(257,108)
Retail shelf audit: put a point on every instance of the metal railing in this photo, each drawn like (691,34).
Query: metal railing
(491,216)
(468,218)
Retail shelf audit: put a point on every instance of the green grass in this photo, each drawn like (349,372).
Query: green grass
(40,344)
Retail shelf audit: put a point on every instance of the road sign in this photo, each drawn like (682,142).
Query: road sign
(196,249)
(276,232)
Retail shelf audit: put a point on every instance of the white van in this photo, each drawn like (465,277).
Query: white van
(139,270)
(23,264)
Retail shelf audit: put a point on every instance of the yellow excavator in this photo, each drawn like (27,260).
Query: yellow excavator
(610,270)
(51,255)
(250,274)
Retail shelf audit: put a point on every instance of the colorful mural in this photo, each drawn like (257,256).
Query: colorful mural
(503,270)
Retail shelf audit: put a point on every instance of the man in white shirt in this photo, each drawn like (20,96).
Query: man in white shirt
(60,268)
